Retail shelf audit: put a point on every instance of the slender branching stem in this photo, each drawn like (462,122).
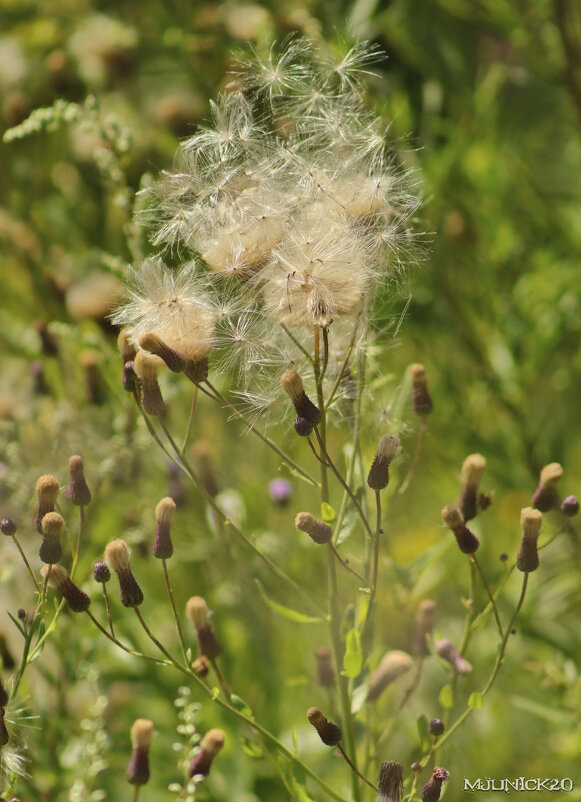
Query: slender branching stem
(486,587)
(190,418)
(347,567)
(375,568)
(176,617)
(470,608)
(80,538)
(121,645)
(301,348)
(26,563)
(136,791)
(409,474)
(355,769)
(325,360)
(221,681)
(108,609)
(321,430)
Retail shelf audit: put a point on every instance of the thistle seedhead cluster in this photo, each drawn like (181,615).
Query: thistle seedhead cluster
(390,782)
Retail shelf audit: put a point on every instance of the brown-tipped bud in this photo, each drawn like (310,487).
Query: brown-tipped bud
(416,767)
(130,380)
(472,472)
(316,530)
(303,427)
(393,665)
(4,737)
(47,490)
(146,366)
(52,526)
(421,399)
(77,599)
(292,384)
(448,652)
(390,782)
(545,496)
(329,733)
(528,556)
(117,556)
(8,527)
(198,613)
(101,572)
(154,345)
(201,666)
(95,389)
(164,513)
(325,674)
(388,448)
(210,745)
(433,788)
(8,661)
(467,541)
(570,506)
(78,490)
(3,695)
(436,726)
(138,768)
(425,617)
(126,347)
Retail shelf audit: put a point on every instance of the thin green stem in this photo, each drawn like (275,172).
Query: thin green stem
(152,637)
(174,611)
(136,791)
(321,430)
(221,681)
(407,480)
(301,348)
(355,769)
(325,362)
(404,700)
(108,609)
(190,418)
(26,563)
(474,559)
(347,567)
(127,649)
(375,569)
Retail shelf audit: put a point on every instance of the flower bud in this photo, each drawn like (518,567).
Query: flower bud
(447,651)
(325,673)
(4,737)
(201,666)
(528,556)
(154,345)
(425,618)
(47,490)
(393,665)
(48,342)
(545,496)
(210,745)
(126,347)
(303,427)
(77,599)
(146,366)
(52,526)
(141,732)
(472,473)
(433,788)
(570,506)
(436,726)
(130,380)
(329,733)
(390,782)
(292,384)
(202,452)
(421,399)
(8,527)
(101,572)
(78,490)
(164,513)
(208,644)
(95,388)
(467,541)
(388,448)
(316,530)
(40,386)
(117,555)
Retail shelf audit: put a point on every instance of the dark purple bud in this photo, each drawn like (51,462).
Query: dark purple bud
(436,726)
(101,572)
(467,541)
(129,377)
(433,788)
(570,506)
(303,427)
(329,733)
(8,527)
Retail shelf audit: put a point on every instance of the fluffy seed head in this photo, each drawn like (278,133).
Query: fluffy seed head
(329,733)
(316,530)
(141,733)
(390,782)
(197,611)
(393,665)
(117,554)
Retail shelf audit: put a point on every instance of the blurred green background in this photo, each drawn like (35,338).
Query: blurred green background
(484,100)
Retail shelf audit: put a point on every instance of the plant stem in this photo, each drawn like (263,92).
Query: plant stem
(190,418)
(117,642)
(375,570)
(355,769)
(174,611)
(27,564)
(108,608)
(220,678)
(321,430)
(474,559)
(407,480)
(347,567)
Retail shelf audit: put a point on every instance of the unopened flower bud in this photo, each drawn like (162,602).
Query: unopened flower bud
(77,599)
(8,527)
(154,345)
(52,526)
(146,367)
(126,347)
(78,490)
(164,513)
(416,767)
(447,651)
(130,380)
(425,617)
(201,666)
(467,541)
(8,661)
(472,473)
(208,644)
(303,427)
(421,399)
(47,490)
(316,530)
(141,732)
(388,448)
(325,673)
(101,572)
(329,733)
(570,506)
(210,745)
(4,736)
(390,782)
(433,788)
(48,342)
(117,556)
(545,496)
(393,665)
(40,385)
(293,386)
(436,726)
(95,388)
(528,556)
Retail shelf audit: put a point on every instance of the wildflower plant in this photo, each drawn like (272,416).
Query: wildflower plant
(283,220)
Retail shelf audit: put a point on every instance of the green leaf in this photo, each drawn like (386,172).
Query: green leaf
(475,700)
(363,608)
(241,705)
(251,749)
(301,794)
(353,659)
(446,697)
(295,745)
(215,693)
(287,612)
(423,731)
(328,513)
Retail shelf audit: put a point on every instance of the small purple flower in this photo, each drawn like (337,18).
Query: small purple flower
(280,492)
